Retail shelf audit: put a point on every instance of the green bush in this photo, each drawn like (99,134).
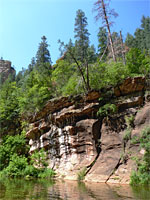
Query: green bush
(142,176)
(15,161)
(16,166)
(136,62)
(103,74)
(107,109)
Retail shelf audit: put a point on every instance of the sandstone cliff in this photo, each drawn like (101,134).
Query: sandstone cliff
(5,69)
(76,138)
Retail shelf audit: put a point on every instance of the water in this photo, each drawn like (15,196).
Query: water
(19,189)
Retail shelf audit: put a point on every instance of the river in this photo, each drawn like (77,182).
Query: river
(19,189)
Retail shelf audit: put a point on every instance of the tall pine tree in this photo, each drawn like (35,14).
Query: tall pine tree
(81,35)
(43,54)
(102,43)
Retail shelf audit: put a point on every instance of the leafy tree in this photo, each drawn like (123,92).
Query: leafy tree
(35,91)
(81,35)
(135,59)
(9,110)
(62,72)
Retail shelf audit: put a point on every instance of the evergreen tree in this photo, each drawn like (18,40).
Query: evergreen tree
(81,35)
(142,35)
(43,54)
(130,41)
(92,56)
(102,43)
(146,31)
(31,65)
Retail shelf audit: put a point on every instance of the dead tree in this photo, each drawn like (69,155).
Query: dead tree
(103,12)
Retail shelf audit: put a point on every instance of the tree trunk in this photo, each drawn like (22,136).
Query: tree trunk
(109,33)
(81,72)
(87,75)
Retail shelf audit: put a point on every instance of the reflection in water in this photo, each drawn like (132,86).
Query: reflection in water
(18,189)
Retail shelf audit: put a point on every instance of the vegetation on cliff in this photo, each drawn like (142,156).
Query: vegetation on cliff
(79,70)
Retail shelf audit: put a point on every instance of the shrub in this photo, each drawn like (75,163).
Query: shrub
(107,109)
(142,176)
(81,174)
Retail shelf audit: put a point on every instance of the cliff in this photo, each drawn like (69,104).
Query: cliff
(78,140)
(6,69)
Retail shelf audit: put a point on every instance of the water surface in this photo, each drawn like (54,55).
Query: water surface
(19,189)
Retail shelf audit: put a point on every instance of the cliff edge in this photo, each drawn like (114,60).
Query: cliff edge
(79,141)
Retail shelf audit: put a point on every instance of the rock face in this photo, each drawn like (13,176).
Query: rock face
(76,138)
(5,69)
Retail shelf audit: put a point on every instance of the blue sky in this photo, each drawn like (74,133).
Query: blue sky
(24,22)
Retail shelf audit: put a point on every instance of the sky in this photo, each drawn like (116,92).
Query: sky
(24,22)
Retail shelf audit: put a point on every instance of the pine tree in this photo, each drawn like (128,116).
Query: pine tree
(102,43)
(31,65)
(130,41)
(146,31)
(81,35)
(142,35)
(43,54)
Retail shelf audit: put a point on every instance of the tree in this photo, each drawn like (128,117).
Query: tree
(31,65)
(135,59)
(142,35)
(102,43)
(81,35)
(81,53)
(43,54)
(146,29)
(130,41)
(105,14)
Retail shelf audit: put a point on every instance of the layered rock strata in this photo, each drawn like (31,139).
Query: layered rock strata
(77,139)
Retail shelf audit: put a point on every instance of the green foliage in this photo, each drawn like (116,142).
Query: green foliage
(107,109)
(15,161)
(43,55)
(81,174)
(35,91)
(9,112)
(38,159)
(102,42)
(16,167)
(46,173)
(9,146)
(136,61)
(63,71)
(81,35)
(127,135)
(141,38)
(130,41)
(129,121)
(142,176)
(103,75)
